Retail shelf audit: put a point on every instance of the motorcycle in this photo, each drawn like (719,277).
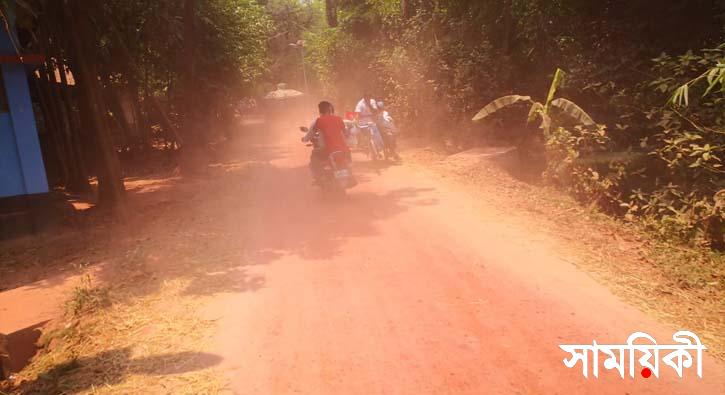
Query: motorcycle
(389,133)
(362,136)
(366,142)
(335,174)
(351,133)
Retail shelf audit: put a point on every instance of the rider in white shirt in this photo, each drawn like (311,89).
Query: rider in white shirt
(366,108)
(367,111)
(385,121)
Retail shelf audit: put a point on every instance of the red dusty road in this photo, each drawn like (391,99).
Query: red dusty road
(410,286)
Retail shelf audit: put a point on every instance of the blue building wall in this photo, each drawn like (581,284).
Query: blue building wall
(22,171)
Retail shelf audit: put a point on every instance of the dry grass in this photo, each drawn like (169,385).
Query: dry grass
(86,297)
(675,284)
(135,328)
(148,344)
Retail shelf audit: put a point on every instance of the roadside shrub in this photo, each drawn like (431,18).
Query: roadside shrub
(689,139)
(574,163)
(87,298)
(675,189)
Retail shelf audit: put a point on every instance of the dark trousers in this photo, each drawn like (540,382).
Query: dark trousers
(317,163)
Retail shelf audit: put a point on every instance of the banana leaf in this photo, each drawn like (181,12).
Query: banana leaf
(558,79)
(574,111)
(498,104)
(536,109)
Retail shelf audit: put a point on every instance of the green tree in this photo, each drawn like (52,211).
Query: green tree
(135,64)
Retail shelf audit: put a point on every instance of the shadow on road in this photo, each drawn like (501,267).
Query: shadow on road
(21,346)
(78,375)
(255,206)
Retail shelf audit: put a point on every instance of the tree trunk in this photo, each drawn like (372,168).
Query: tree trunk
(192,149)
(111,191)
(189,62)
(405,9)
(79,179)
(507,27)
(78,176)
(331,12)
(140,128)
(52,113)
(114,104)
(51,128)
(87,125)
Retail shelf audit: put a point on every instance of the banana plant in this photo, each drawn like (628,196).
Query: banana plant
(538,109)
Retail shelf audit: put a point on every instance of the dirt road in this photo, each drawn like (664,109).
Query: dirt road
(410,286)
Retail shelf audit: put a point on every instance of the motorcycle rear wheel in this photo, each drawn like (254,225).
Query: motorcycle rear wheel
(374,153)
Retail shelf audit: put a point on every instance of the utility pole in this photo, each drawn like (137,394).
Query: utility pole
(301,45)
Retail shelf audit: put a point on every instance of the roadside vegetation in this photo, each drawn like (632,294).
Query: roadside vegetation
(655,87)
(125,82)
(167,80)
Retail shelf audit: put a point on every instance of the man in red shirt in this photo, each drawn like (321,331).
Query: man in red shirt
(331,131)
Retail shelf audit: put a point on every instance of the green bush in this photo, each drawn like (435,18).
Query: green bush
(689,140)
